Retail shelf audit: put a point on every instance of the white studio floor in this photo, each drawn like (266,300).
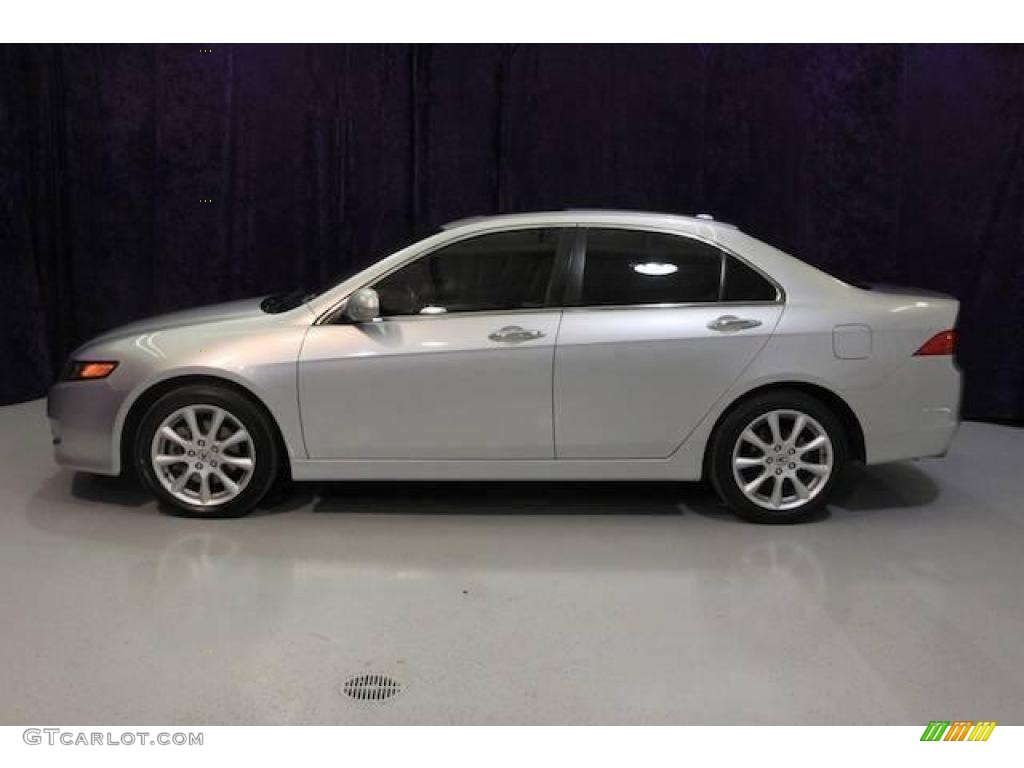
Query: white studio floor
(506,603)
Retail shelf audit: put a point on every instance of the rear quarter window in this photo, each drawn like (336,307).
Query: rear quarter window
(744,283)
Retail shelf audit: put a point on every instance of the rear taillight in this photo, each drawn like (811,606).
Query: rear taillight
(942,343)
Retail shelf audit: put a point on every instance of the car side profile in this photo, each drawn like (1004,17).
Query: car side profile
(571,345)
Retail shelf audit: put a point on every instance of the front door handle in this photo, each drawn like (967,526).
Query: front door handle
(729,323)
(514,333)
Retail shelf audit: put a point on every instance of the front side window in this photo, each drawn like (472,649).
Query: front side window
(634,267)
(493,272)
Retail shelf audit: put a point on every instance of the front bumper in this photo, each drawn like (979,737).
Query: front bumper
(83,421)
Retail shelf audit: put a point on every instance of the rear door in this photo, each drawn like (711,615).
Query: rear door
(656,328)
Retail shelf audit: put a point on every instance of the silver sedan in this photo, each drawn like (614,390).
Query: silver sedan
(575,345)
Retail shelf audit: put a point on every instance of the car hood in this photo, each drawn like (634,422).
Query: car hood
(231,310)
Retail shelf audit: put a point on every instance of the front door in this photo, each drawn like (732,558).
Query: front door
(459,365)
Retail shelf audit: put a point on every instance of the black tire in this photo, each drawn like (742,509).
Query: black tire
(244,410)
(724,441)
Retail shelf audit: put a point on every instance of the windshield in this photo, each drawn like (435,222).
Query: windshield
(282,302)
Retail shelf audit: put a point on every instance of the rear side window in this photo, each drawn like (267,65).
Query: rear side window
(500,271)
(634,267)
(743,283)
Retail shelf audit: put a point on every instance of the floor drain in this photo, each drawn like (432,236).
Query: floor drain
(371,687)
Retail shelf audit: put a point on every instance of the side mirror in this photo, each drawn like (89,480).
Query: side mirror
(363,306)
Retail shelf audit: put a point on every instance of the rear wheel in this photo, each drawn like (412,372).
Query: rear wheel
(206,451)
(777,457)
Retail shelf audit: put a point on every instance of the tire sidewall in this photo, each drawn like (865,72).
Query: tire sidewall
(728,432)
(241,408)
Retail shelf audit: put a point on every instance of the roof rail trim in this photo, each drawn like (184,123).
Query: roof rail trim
(701,218)
(464,221)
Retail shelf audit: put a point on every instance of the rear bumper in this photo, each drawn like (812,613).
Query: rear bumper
(915,444)
(83,415)
(914,414)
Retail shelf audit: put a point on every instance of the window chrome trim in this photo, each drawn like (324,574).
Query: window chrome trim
(672,305)
(556,310)
(472,313)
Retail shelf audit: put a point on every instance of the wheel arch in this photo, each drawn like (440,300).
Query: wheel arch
(846,415)
(158,389)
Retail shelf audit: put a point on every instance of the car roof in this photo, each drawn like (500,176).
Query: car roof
(588,215)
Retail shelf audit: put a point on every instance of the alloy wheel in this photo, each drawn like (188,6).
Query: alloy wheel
(782,459)
(203,455)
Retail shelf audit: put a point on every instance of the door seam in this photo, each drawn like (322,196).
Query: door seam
(554,362)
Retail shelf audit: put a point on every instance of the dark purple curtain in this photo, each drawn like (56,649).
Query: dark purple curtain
(886,163)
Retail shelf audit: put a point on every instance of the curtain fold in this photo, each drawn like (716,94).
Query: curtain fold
(137,179)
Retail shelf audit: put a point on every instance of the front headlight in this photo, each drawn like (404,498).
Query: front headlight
(83,370)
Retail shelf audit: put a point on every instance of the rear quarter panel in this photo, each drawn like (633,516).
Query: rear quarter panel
(907,406)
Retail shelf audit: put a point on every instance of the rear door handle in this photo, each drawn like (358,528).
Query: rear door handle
(729,323)
(514,333)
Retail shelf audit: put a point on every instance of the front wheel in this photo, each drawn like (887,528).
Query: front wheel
(206,451)
(777,457)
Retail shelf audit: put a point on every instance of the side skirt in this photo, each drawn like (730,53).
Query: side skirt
(499,469)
